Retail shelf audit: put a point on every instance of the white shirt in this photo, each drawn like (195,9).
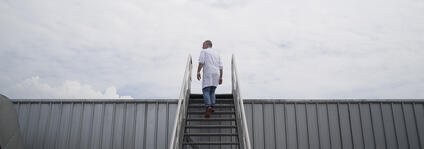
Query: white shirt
(211,65)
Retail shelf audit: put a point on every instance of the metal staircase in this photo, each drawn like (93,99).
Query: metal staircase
(217,131)
(225,128)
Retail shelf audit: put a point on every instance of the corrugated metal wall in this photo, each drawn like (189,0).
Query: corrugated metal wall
(98,124)
(273,124)
(280,124)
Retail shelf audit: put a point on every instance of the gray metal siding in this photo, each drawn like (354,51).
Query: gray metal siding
(272,124)
(275,124)
(103,125)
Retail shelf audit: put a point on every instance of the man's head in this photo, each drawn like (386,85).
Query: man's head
(207,44)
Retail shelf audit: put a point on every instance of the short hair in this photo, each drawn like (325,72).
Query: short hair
(209,43)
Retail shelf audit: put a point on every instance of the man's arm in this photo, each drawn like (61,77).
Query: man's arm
(198,71)
(220,76)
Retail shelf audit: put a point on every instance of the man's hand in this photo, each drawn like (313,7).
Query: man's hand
(220,77)
(198,71)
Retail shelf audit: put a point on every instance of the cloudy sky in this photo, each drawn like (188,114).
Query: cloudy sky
(284,48)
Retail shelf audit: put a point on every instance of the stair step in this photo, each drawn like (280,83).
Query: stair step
(211,119)
(217,100)
(216,105)
(210,143)
(210,134)
(211,126)
(216,95)
(213,113)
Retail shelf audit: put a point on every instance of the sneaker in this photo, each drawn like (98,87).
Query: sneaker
(208,112)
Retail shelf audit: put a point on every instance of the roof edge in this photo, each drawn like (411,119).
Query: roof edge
(94,100)
(250,101)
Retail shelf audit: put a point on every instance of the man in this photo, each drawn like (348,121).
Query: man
(210,61)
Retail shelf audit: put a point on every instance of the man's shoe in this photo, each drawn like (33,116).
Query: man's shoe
(213,109)
(208,112)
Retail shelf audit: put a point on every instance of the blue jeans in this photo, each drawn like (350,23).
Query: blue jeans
(209,95)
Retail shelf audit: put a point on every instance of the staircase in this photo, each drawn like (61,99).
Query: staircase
(225,128)
(218,131)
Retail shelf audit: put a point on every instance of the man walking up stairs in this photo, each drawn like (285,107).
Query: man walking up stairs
(210,61)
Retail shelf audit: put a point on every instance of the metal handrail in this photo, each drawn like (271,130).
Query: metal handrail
(180,116)
(239,105)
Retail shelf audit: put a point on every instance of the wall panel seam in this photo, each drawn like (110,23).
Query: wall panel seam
(58,126)
(102,124)
(416,126)
(37,124)
(406,128)
(70,126)
(394,124)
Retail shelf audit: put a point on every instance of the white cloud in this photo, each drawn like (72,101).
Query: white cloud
(34,88)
